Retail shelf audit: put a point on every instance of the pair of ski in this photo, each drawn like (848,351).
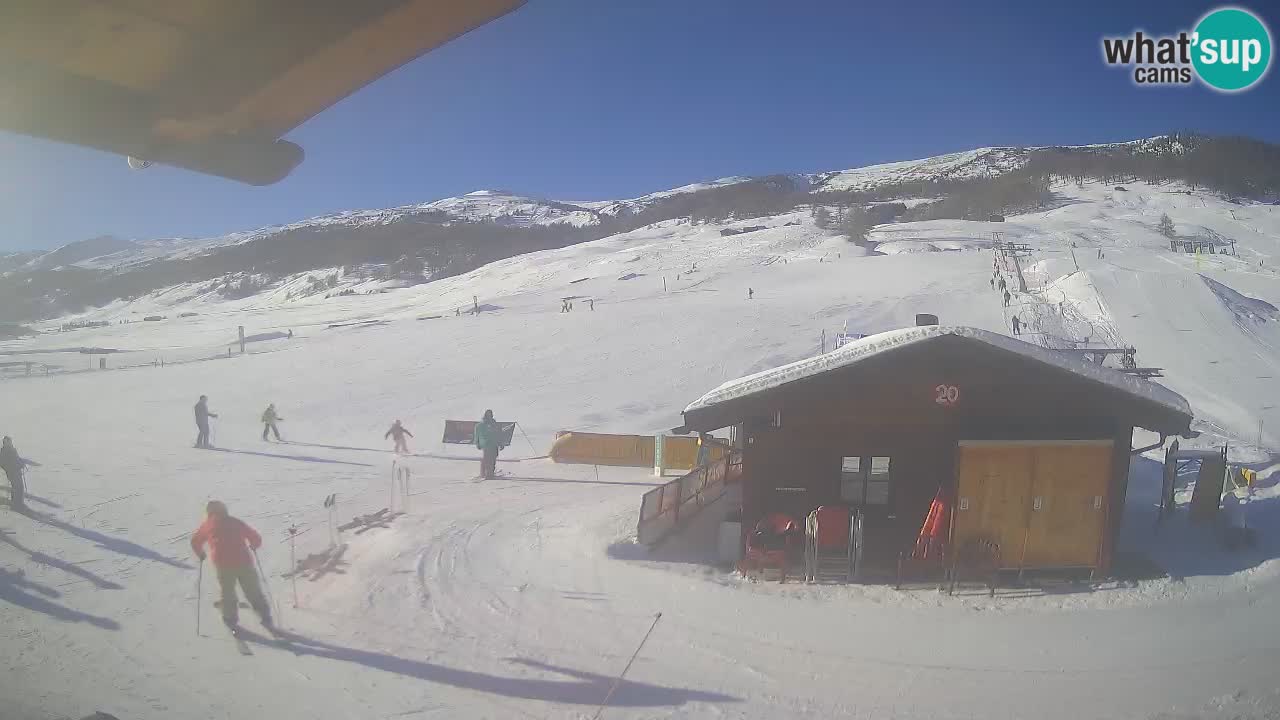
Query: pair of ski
(279,638)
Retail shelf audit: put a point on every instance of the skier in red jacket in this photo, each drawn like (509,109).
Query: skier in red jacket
(227,538)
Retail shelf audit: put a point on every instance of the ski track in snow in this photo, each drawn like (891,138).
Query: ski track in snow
(522,596)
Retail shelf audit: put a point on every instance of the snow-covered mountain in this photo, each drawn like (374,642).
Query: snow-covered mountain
(509,209)
(432,240)
(983,162)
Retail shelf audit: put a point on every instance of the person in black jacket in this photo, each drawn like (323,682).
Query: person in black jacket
(202,422)
(13,464)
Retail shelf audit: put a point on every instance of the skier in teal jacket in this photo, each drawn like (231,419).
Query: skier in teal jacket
(488,442)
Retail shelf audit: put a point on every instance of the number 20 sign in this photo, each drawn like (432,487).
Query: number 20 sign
(946,395)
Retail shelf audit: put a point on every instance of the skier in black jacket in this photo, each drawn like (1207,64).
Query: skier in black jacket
(202,422)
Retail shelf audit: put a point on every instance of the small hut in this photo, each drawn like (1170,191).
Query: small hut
(1030,447)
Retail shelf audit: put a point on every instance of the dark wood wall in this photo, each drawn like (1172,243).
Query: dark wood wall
(897,404)
(808,456)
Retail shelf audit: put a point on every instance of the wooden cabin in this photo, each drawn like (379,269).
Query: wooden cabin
(1033,446)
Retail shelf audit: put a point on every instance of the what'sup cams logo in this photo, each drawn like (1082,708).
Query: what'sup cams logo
(1229,50)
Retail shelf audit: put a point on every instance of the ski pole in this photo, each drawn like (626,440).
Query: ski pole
(526,439)
(293,565)
(266,585)
(618,680)
(199,597)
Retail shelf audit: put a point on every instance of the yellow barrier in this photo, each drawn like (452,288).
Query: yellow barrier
(681,453)
(678,453)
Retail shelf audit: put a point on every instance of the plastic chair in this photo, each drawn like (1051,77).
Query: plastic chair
(770,545)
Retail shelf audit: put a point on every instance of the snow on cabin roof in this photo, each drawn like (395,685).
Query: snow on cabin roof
(873,345)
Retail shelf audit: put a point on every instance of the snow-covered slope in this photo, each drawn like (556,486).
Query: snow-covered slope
(524,596)
(614,207)
(983,162)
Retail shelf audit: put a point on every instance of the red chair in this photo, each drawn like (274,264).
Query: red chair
(770,545)
(828,544)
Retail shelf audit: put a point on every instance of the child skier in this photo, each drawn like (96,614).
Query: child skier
(269,419)
(398,432)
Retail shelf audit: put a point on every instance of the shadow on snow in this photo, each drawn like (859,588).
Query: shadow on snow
(1184,549)
(582,688)
(299,458)
(106,542)
(434,456)
(50,561)
(34,498)
(16,589)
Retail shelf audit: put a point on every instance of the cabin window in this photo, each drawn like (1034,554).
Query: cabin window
(852,482)
(865,480)
(878,482)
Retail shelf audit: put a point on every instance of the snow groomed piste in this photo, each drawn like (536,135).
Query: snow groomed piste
(526,595)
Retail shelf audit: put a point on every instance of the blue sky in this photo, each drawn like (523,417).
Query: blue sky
(582,100)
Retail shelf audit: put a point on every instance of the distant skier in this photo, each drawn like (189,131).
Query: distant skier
(751,293)
(397,432)
(591,302)
(227,538)
(1001,283)
(1007,298)
(290,333)
(993,283)
(13,465)
(489,442)
(269,420)
(1017,325)
(202,421)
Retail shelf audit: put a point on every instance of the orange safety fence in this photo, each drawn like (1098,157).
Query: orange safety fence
(664,508)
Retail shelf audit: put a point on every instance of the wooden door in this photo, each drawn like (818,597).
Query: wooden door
(1070,487)
(994,495)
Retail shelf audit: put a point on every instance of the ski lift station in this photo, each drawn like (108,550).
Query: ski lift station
(938,447)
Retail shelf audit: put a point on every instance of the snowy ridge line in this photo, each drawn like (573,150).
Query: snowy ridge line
(515,210)
(873,345)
